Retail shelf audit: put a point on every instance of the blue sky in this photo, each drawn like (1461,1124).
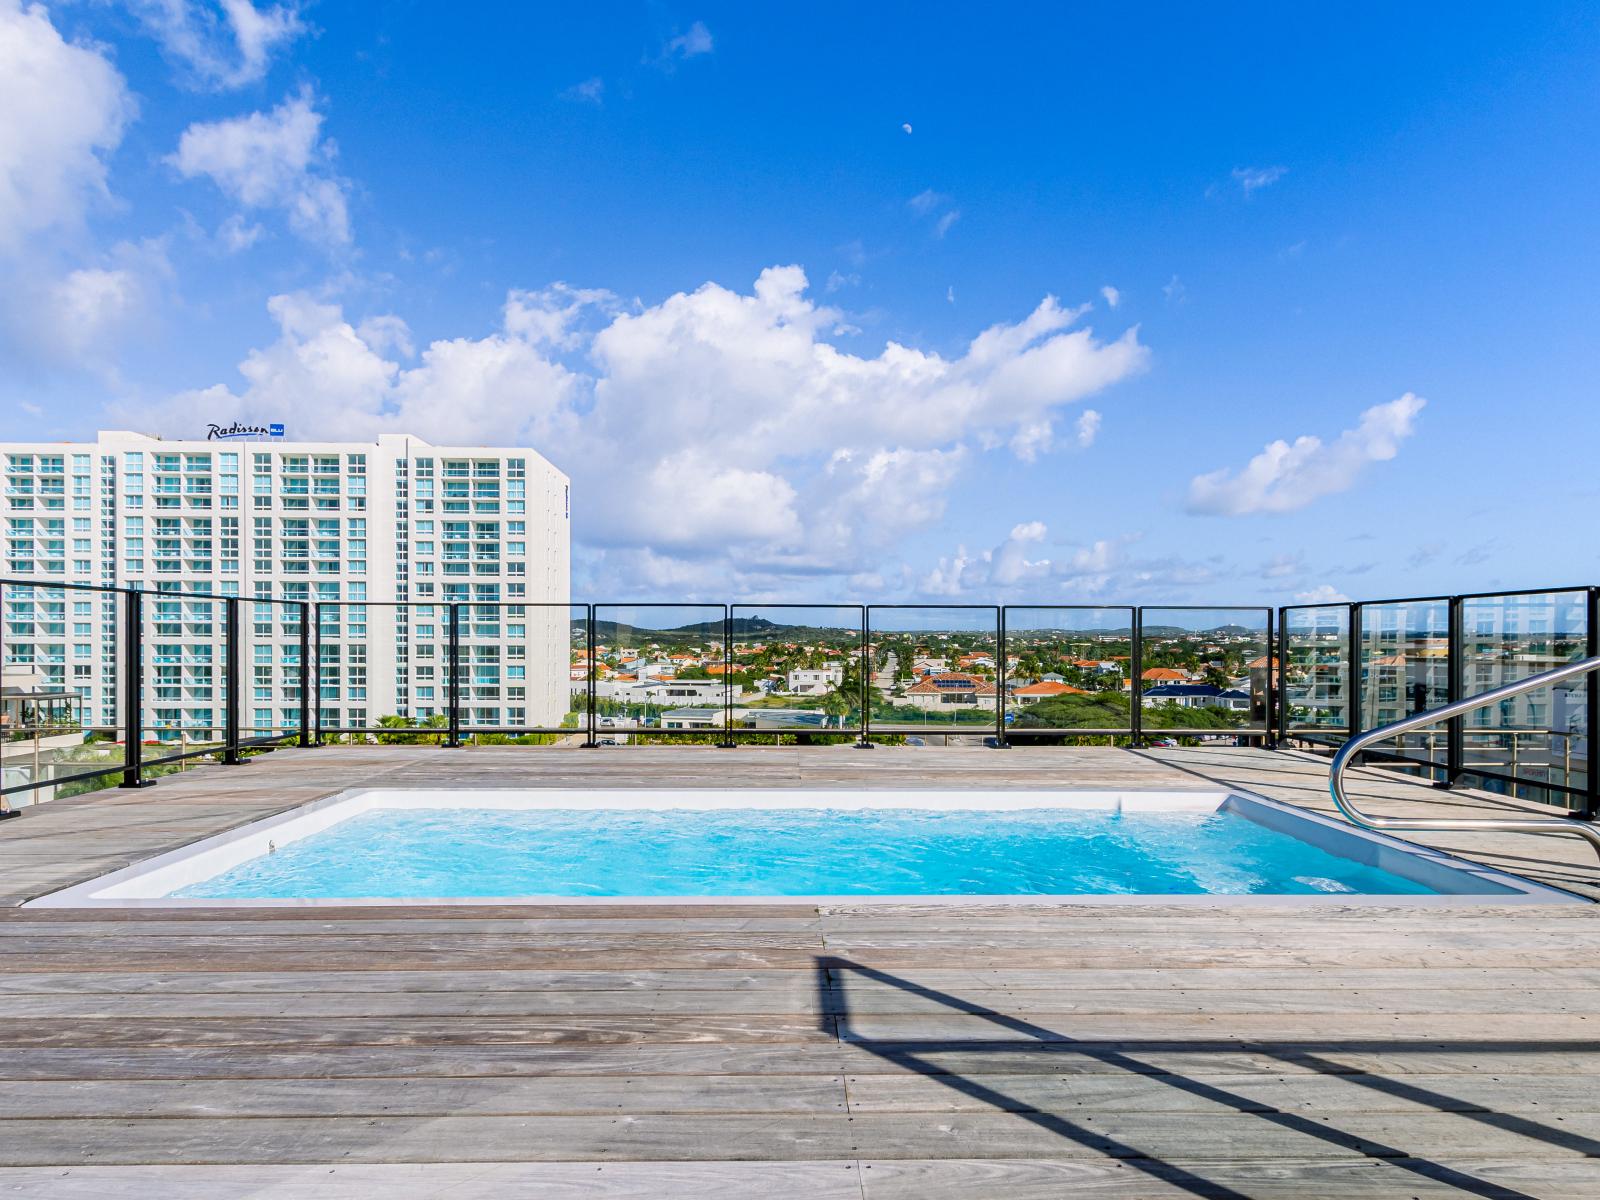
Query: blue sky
(1215,230)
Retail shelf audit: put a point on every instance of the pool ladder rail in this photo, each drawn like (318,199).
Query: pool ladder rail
(1573,826)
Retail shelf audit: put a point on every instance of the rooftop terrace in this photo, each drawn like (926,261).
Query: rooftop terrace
(742,1050)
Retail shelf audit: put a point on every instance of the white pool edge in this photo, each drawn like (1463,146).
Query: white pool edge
(162,874)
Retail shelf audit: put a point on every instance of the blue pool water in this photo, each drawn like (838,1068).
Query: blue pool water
(793,852)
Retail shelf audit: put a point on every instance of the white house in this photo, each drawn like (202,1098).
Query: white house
(814,681)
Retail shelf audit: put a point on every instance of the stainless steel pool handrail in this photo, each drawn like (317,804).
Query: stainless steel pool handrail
(1347,752)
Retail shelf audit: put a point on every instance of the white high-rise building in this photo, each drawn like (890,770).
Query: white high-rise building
(356,526)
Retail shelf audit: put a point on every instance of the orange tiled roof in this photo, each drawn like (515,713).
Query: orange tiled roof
(1048,687)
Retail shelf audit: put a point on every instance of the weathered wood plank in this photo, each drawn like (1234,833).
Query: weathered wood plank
(800,1058)
(1197,1137)
(477,1096)
(1131,982)
(820,1180)
(400,1031)
(800,995)
(973,1092)
(1369,1179)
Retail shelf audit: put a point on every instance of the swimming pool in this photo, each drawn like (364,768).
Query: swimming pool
(409,846)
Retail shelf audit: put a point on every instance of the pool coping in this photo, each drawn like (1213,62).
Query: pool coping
(178,868)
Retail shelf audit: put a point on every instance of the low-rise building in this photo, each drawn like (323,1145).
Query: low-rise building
(1045,689)
(951,689)
(814,681)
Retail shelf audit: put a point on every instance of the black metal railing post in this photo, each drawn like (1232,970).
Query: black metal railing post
(316,655)
(591,688)
(1283,683)
(1455,676)
(1135,684)
(133,691)
(1275,664)
(1353,689)
(1591,688)
(303,737)
(866,672)
(230,712)
(1000,679)
(728,741)
(454,691)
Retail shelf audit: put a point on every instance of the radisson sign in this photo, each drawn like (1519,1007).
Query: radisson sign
(240,432)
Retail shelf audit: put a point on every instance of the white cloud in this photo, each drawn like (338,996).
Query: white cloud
(91,299)
(1103,570)
(694,41)
(1283,566)
(78,318)
(547,317)
(1112,296)
(1252,179)
(924,202)
(945,221)
(1286,476)
(223,45)
(63,108)
(1087,428)
(591,91)
(1323,593)
(715,423)
(906,127)
(236,234)
(274,160)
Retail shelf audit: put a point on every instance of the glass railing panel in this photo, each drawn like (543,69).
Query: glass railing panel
(61,717)
(271,673)
(654,671)
(1405,669)
(1315,647)
(523,670)
(1204,672)
(184,638)
(412,687)
(1068,667)
(797,670)
(348,678)
(1535,744)
(935,669)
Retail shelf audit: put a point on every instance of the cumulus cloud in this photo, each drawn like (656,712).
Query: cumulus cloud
(1087,428)
(590,91)
(64,110)
(713,423)
(1111,295)
(1286,476)
(691,43)
(935,207)
(1106,569)
(1323,593)
(223,45)
(272,160)
(1283,566)
(78,318)
(1253,179)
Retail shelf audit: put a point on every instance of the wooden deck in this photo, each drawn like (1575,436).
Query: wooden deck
(874,1053)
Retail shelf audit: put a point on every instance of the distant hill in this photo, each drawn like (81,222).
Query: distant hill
(743,628)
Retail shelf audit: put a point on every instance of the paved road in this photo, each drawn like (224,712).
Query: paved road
(884,680)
